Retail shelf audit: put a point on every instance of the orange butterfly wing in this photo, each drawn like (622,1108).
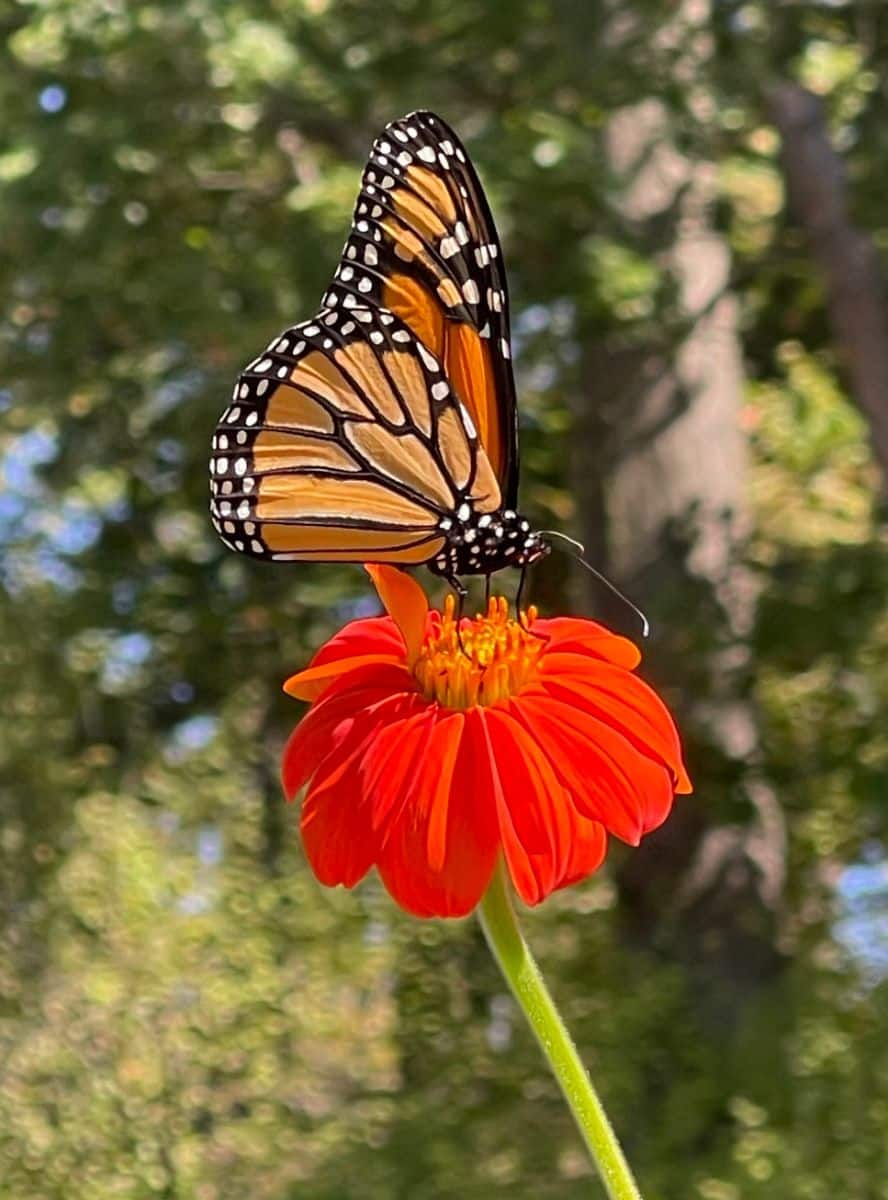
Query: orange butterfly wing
(423,244)
(344,441)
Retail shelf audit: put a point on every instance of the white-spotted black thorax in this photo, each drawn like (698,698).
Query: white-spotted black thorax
(481,543)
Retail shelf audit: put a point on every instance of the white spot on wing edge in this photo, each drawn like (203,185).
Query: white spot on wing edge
(431,363)
(467,421)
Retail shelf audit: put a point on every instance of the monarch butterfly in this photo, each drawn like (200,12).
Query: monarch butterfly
(384,429)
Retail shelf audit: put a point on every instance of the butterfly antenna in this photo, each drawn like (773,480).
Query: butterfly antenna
(578,550)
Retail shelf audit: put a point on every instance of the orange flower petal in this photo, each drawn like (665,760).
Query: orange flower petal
(510,747)
(405,602)
(588,638)
(578,844)
(608,779)
(311,683)
(440,763)
(521,802)
(388,773)
(640,786)
(471,837)
(621,700)
(366,635)
(588,846)
(336,829)
(327,726)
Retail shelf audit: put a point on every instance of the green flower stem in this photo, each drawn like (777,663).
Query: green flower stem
(523,976)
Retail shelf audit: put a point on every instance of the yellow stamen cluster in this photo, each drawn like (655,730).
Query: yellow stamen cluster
(487,659)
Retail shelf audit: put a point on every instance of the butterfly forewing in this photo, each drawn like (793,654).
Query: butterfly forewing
(423,245)
(344,440)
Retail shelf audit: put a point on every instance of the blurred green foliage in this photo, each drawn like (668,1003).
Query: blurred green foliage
(183,1011)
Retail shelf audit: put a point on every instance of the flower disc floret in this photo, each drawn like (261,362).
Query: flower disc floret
(479,661)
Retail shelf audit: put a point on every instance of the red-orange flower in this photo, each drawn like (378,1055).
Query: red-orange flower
(427,758)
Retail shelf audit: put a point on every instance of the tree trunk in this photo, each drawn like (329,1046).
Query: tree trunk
(847,259)
(660,475)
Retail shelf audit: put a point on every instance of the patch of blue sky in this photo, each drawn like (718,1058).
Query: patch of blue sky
(170,450)
(22,569)
(30,513)
(196,732)
(862,927)
(190,736)
(52,98)
(124,657)
(133,648)
(194,904)
(357,607)
(210,845)
(25,453)
(168,395)
(12,509)
(532,319)
(53,569)
(74,528)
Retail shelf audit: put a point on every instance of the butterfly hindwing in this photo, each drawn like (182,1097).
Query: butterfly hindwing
(423,245)
(345,441)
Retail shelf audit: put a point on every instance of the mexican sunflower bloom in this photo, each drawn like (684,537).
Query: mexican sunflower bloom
(429,751)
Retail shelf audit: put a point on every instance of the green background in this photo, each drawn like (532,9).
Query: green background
(184,1011)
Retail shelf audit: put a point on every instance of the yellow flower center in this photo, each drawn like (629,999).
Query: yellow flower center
(488,659)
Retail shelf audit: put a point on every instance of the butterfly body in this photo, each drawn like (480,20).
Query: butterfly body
(384,428)
(484,543)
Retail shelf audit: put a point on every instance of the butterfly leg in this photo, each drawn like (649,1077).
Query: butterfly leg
(486,594)
(518,598)
(459,588)
(461,594)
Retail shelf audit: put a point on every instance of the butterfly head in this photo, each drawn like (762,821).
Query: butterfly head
(534,548)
